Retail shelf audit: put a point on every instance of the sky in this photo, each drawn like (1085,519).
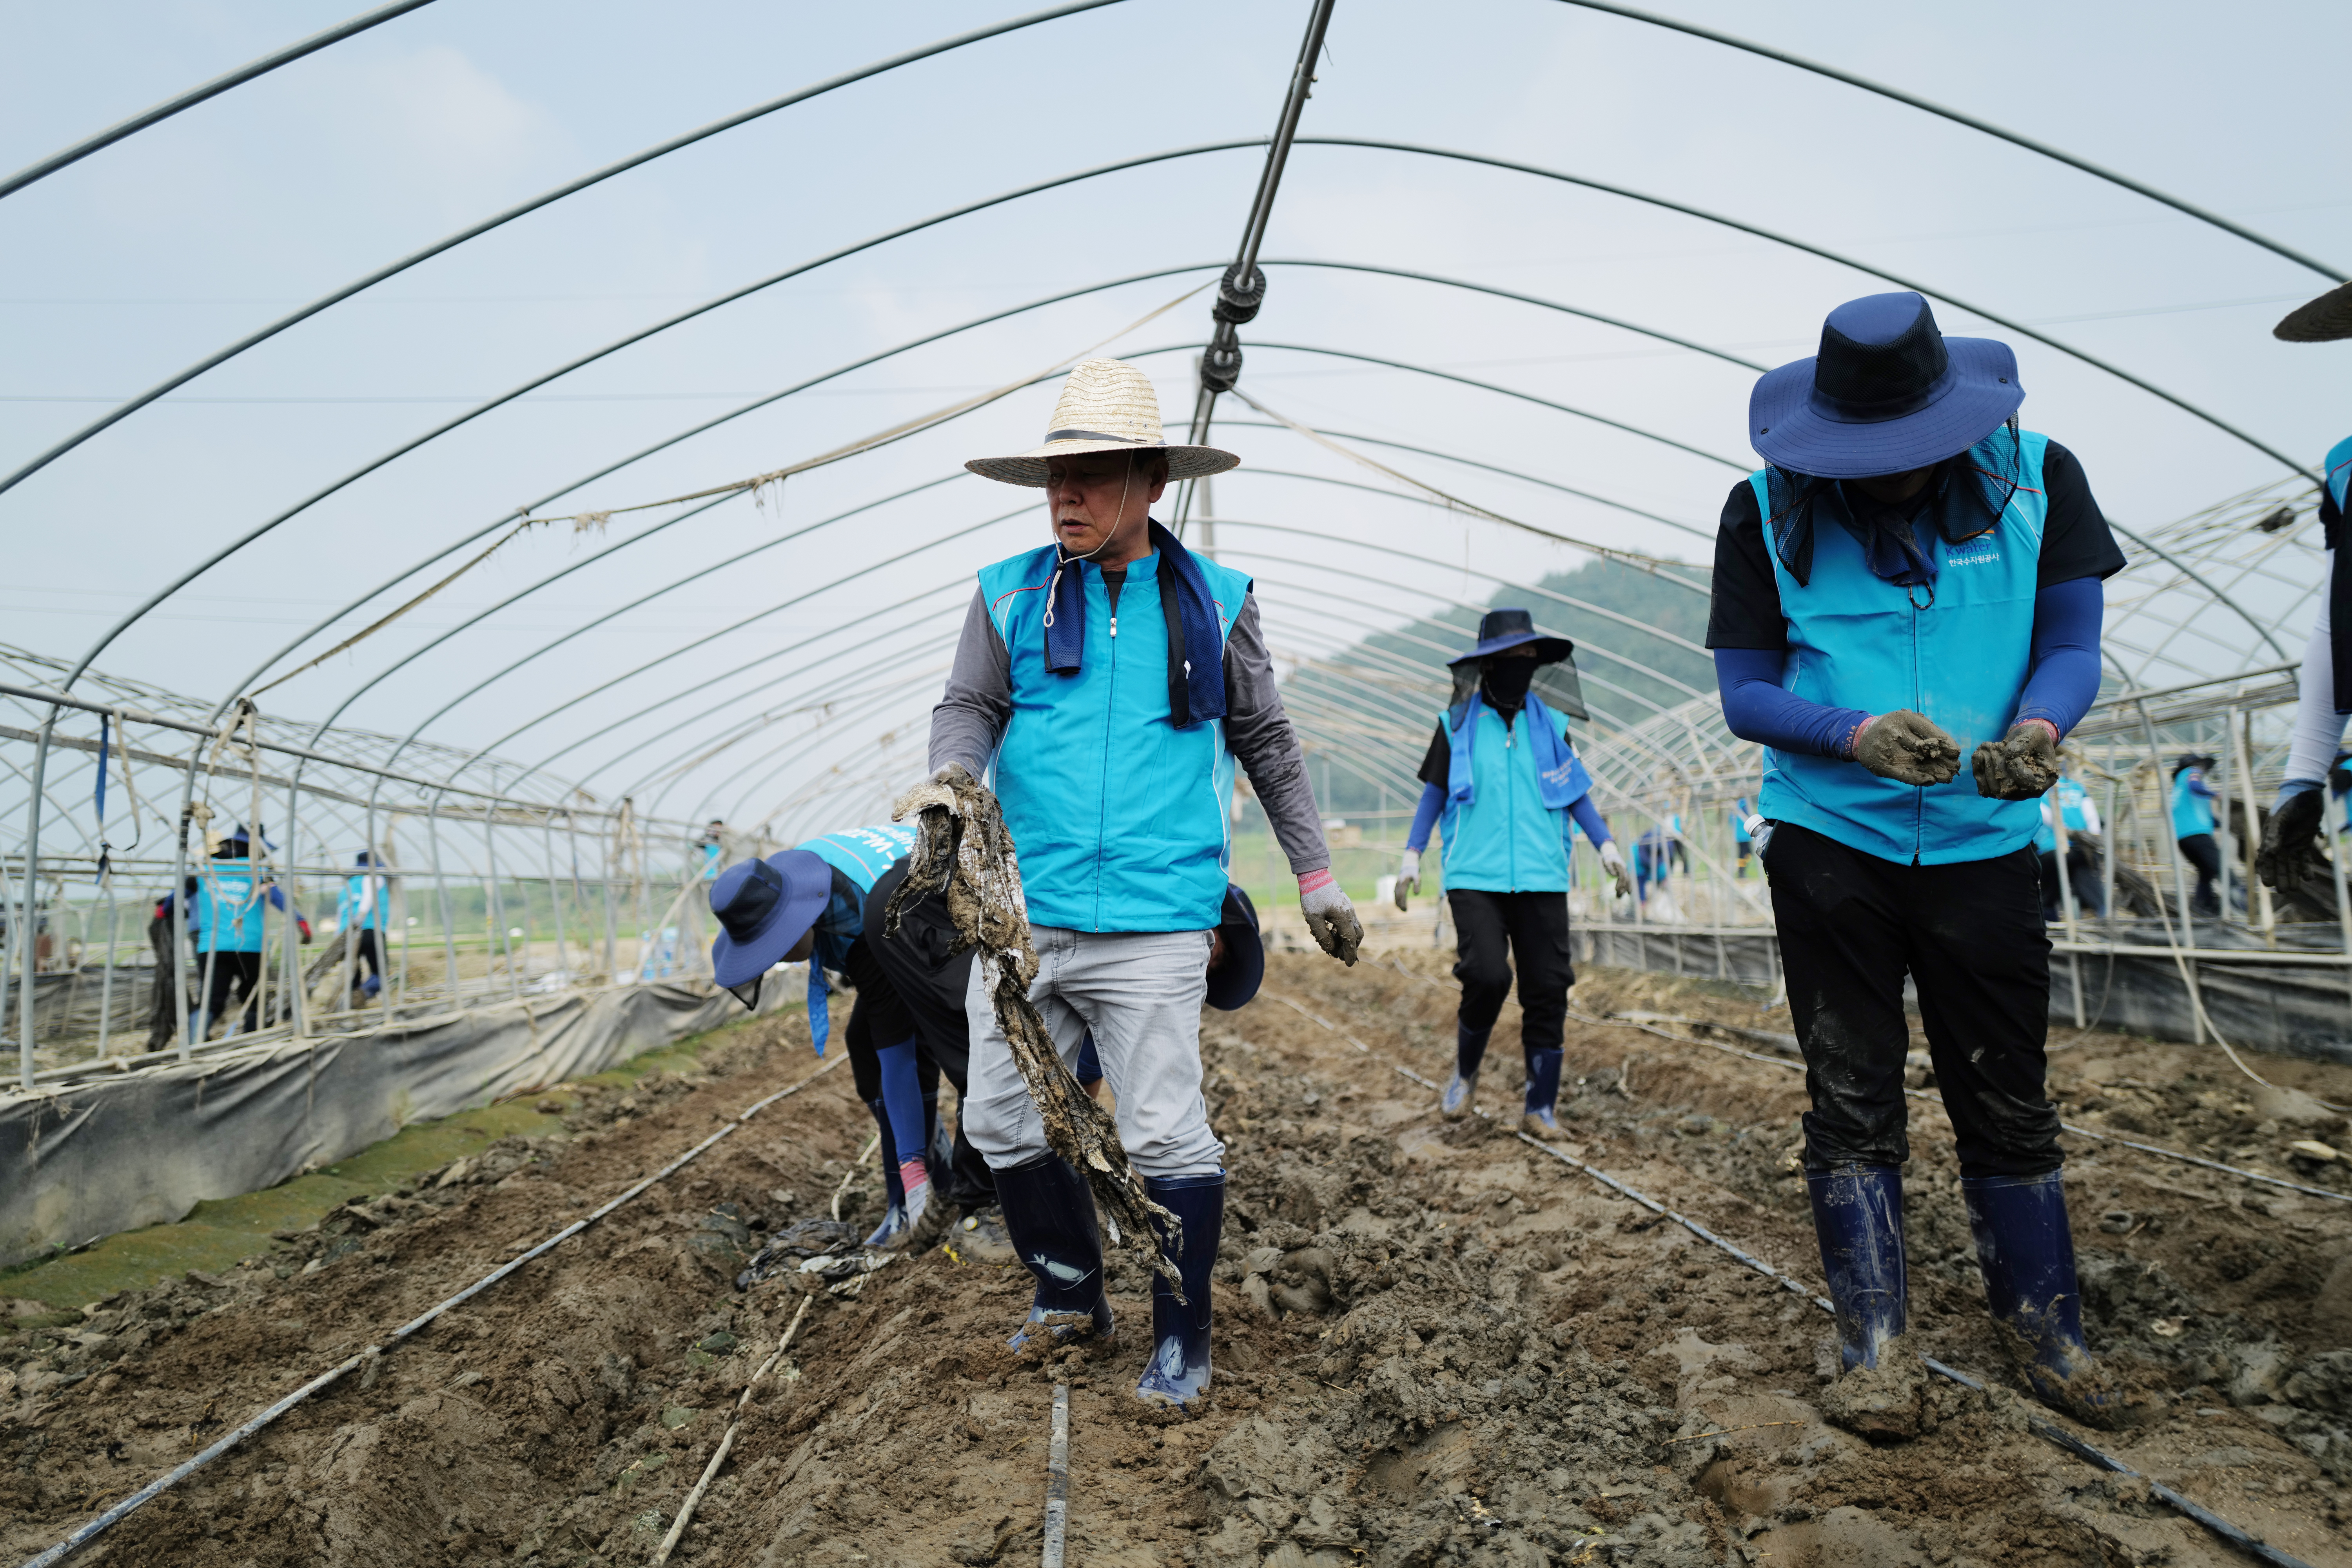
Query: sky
(152,255)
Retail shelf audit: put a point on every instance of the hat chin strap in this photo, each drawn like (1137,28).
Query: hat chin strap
(1053,584)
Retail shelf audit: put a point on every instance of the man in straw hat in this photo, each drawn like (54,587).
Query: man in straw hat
(1113,677)
(1509,789)
(1914,576)
(2290,860)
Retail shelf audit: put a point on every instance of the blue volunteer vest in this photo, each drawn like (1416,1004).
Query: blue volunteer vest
(2069,795)
(358,908)
(1505,839)
(2191,813)
(1121,820)
(1858,641)
(231,913)
(861,855)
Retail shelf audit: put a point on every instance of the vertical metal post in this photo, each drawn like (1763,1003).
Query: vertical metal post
(2188,940)
(2242,748)
(496,907)
(555,896)
(28,940)
(441,893)
(2221,819)
(106,982)
(2055,803)
(611,915)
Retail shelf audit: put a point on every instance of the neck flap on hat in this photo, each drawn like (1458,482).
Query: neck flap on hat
(1964,498)
(1196,664)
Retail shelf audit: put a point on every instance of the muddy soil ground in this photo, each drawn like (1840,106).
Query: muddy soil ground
(1435,1344)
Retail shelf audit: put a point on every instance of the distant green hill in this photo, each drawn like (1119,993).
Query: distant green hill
(1368,726)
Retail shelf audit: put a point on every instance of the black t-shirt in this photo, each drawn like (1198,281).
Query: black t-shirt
(2075,542)
(2331,520)
(1437,764)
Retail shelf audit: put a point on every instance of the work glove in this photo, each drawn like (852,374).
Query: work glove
(2020,766)
(1909,748)
(1331,918)
(2287,861)
(1613,860)
(1409,879)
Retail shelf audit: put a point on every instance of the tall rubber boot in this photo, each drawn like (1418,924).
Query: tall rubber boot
(1179,1372)
(1050,1215)
(894,1218)
(1469,1050)
(1858,1219)
(2027,1256)
(1541,1122)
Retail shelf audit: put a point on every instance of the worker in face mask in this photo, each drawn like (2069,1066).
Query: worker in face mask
(1507,790)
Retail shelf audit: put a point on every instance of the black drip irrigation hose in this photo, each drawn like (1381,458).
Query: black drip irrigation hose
(163,1483)
(2048,1430)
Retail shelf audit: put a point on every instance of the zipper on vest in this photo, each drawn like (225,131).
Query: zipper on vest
(1114,625)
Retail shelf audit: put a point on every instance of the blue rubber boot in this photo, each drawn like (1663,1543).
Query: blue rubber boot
(1469,1050)
(1050,1215)
(2027,1256)
(1543,1091)
(1179,1372)
(894,1218)
(1858,1219)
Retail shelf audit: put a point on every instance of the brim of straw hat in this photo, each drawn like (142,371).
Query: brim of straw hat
(2323,320)
(1029,467)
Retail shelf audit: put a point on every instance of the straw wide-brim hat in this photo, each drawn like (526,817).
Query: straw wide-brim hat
(2323,320)
(1106,406)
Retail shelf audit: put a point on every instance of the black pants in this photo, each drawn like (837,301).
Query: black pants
(2082,875)
(234,975)
(924,980)
(1535,928)
(363,950)
(1971,937)
(2203,852)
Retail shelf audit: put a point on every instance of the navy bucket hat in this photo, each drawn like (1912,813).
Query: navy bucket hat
(1887,393)
(763,908)
(1233,982)
(1500,631)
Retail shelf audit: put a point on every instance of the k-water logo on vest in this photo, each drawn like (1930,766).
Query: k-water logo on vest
(1985,556)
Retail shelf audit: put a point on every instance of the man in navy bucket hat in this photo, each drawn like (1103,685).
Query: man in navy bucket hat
(810,903)
(1914,579)
(1508,789)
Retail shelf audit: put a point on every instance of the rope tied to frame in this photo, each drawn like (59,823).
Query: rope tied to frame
(962,850)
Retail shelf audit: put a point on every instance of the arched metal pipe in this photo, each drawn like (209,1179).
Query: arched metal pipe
(1827,255)
(222,356)
(1985,126)
(198,94)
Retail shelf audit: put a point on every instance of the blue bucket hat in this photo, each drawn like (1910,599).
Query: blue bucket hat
(1500,631)
(245,836)
(1233,982)
(763,908)
(1887,393)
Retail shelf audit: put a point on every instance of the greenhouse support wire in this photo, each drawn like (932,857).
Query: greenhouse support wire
(156,1487)
(2047,1430)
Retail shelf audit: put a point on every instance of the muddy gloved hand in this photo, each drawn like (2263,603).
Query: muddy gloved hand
(1909,748)
(1331,918)
(1613,860)
(2288,859)
(1409,879)
(2020,766)
(953,774)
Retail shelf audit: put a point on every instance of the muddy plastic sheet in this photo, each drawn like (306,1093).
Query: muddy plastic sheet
(87,1160)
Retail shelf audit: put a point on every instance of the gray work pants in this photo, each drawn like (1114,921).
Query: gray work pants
(1140,992)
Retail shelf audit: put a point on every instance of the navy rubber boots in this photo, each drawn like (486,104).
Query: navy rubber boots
(1179,1372)
(1050,1215)
(1469,1050)
(1858,1220)
(2027,1256)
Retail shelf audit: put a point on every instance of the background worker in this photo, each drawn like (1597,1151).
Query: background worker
(1743,846)
(361,912)
(2289,858)
(809,902)
(231,921)
(1912,575)
(2192,829)
(1504,787)
(2081,814)
(1112,678)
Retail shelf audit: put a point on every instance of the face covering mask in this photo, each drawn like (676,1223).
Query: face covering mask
(1506,680)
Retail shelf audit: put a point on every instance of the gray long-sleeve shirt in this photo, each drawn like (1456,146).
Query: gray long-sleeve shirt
(971,718)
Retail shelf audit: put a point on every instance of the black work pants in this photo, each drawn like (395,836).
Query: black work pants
(2200,851)
(1533,928)
(2082,875)
(363,950)
(234,975)
(925,978)
(1971,937)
